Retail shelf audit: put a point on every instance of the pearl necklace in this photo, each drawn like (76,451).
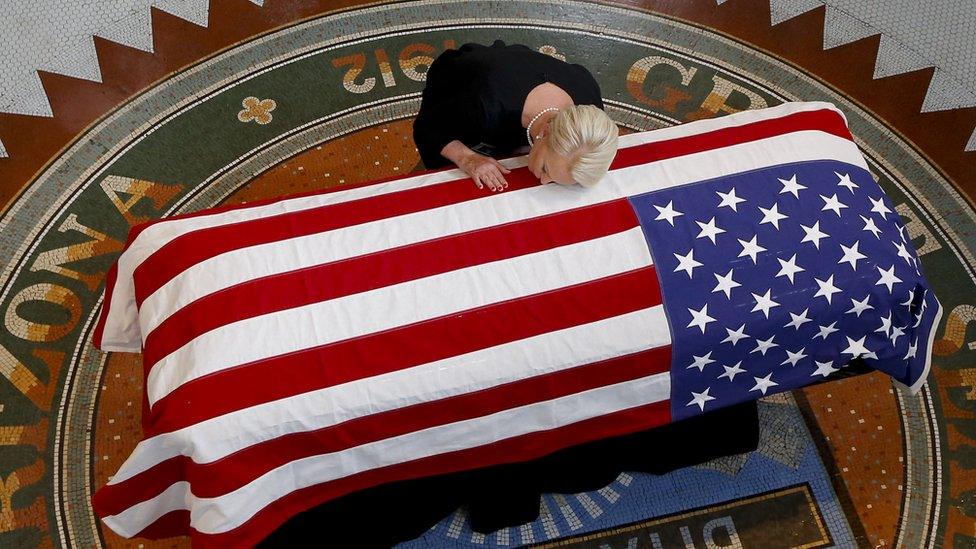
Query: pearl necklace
(528,134)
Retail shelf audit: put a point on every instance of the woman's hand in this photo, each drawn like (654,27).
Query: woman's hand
(485,171)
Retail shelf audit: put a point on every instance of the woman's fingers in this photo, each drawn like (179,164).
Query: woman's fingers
(493,179)
(499,181)
(488,178)
(489,173)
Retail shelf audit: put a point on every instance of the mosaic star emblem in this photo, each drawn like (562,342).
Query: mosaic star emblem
(258,110)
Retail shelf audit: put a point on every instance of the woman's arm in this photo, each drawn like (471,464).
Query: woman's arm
(456,152)
(439,130)
(482,169)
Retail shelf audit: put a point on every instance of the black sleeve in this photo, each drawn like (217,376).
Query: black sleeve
(443,120)
(590,92)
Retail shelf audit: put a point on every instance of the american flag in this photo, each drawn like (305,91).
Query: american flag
(296,350)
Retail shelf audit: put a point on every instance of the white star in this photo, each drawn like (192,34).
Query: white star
(857,348)
(667,213)
(901,232)
(763,345)
(912,350)
(903,252)
(826,330)
(918,317)
(833,204)
(709,230)
(732,372)
(845,181)
(885,325)
(687,262)
(763,383)
(763,303)
(750,248)
(725,284)
(701,361)
(729,199)
(860,306)
(799,320)
(888,278)
(792,358)
(827,288)
(813,234)
(791,186)
(701,398)
(735,335)
(789,268)
(824,369)
(879,207)
(911,298)
(896,332)
(700,318)
(851,255)
(870,227)
(772,215)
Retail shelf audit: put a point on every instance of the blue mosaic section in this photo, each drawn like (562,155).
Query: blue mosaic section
(786,457)
(775,278)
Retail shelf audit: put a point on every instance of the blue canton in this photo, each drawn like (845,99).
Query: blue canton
(776,278)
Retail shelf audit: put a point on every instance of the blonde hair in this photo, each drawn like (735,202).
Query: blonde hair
(587,136)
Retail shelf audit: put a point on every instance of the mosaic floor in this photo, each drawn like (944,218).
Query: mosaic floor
(290,96)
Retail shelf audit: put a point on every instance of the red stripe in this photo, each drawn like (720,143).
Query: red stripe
(136,230)
(420,343)
(187,250)
(359,274)
(510,450)
(237,469)
(202,244)
(826,121)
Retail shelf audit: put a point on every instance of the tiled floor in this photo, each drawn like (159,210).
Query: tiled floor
(178,122)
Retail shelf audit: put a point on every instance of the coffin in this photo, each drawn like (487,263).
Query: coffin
(299,349)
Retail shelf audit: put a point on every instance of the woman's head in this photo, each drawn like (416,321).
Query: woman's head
(577,146)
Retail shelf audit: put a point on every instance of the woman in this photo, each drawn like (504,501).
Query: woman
(499,100)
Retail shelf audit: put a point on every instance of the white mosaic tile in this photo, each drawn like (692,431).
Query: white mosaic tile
(914,35)
(894,57)
(194,11)
(933,33)
(134,30)
(80,61)
(842,28)
(55,36)
(782,10)
(947,92)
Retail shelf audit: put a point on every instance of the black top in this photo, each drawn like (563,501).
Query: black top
(476,94)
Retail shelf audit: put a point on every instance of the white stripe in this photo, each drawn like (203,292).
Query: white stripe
(121,330)
(120,333)
(175,498)
(250,263)
(226,512)
(522,359)
(920,382)
(392,306)
(723,122)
